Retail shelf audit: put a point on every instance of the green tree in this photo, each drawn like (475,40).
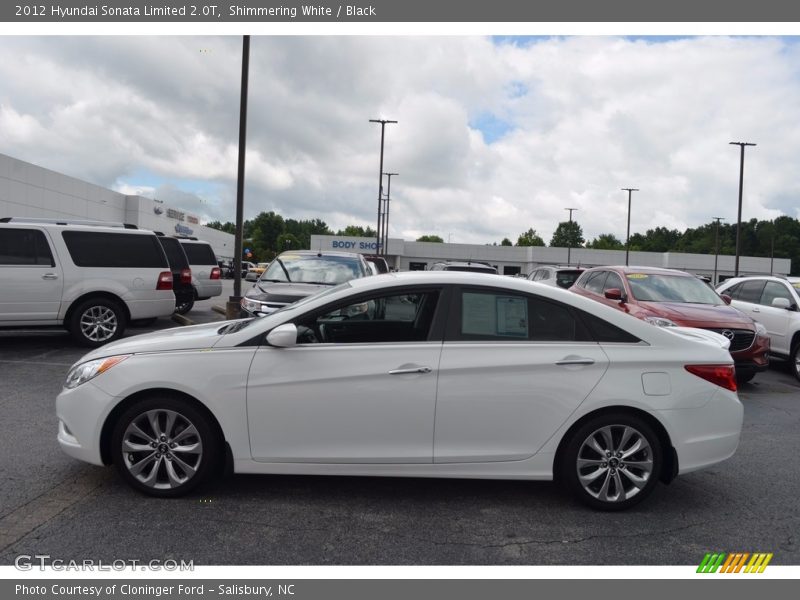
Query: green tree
(430,238)
(530,238)
(606,241)
(506,242)
(287,241)
(567,234)
(357,231)
(227,227)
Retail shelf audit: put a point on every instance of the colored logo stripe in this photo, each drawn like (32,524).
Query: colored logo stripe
(734,562)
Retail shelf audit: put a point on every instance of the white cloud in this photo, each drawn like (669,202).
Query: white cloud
(585,116)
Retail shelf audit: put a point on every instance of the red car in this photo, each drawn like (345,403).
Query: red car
(668,298)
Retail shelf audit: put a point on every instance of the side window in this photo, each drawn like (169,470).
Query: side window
(406,317)
(613,281)
(118,250)
(773,290)
(733,291)
(595,281)
(751,291)
(503,316)
(545,274)
(199,254)
(25,247)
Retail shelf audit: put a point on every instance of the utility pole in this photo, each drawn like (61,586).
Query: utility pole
(628,235)
(569,239)
(716,248)
(739,216)
(385,243)
(379,232)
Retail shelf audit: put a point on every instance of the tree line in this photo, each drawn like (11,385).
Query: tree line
(269,234)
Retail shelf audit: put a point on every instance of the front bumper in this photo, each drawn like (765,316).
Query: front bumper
(81,413)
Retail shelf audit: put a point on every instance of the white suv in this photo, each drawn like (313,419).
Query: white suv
(90,277)
(206,274)
(775,303)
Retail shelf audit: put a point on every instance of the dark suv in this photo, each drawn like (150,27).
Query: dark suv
(299,273)
(670,298)
(181,273)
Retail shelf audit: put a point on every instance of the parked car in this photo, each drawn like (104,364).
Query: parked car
(299,273)
(469,266)
(254,272)
(775,302)
(206,274)
(666,297)
(381,266)
(562,277)
(181,273)
(462,376)
(90,277)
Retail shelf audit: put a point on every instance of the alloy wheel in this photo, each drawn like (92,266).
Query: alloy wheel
(98,323)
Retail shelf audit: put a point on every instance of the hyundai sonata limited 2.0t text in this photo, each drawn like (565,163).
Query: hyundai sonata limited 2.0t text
(422,374)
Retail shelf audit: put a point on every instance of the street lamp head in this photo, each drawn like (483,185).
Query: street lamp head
(741,144)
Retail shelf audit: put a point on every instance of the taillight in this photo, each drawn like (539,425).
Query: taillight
(186,276)
(164,281)
(215,273)
(721,375)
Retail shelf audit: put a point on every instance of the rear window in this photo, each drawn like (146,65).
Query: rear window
(24,247)
(175,254)
(117,250)
(199,254)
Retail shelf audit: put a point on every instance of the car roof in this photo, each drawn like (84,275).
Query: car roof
(650,270)
(321,253)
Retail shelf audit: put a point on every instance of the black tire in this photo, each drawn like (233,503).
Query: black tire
(794,361)
(97,321)
(612,487)
(184,307)
(165,471)
(745,377)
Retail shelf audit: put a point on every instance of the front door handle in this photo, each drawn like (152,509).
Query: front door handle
(49,276)
(410,370)
(757,310)
(575,360)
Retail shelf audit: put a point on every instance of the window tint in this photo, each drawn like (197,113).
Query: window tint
(175,254)
(565,279)
(613,281)
(773,290)
(199,254)
(594,282)
(604,332)
(403,317)
(118,250)
(750,291)
(24,247)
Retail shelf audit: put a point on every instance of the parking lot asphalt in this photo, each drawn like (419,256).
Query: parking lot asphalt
(52,504)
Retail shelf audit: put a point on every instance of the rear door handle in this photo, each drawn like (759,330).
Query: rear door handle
(575,361)
(757,310)
(410,370)
(49,276)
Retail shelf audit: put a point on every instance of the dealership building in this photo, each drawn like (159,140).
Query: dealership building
(31,191)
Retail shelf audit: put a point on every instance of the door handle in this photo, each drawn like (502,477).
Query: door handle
(757,310)
(49,276)
(575,361)
(410,370)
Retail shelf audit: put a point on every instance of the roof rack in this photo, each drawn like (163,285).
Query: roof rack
(86,222)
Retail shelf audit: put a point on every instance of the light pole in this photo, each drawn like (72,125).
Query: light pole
(628,235)
(378,233)
(385,241)
(569,238)
(716,248)
(739,216)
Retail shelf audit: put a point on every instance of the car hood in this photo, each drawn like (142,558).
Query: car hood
(177,338)
(283,292)
(699,315)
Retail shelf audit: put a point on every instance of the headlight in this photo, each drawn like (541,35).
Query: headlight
(660,322)
(252,306)
(89,370)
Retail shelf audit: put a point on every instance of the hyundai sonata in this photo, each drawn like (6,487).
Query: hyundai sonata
(432,374)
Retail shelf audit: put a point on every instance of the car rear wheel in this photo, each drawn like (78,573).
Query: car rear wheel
(97,321)
(164,446)
(794,362)
(612,462)
(184,307)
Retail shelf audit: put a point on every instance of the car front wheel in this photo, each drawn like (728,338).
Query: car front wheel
(612,461)
(164,446)
(794,362)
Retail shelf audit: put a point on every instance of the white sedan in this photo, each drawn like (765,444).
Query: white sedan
(421,374)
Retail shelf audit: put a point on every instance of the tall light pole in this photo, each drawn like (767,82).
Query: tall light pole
(385,242)
(716,248)
(569,239)
(378,233)
(628,235)
(739,216)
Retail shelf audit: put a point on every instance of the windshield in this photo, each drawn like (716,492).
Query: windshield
(304,268)
(647,287)
(565,279)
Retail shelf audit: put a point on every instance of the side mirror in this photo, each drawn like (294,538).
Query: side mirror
(781,303)
(615,294)
(725,298)
(283,336)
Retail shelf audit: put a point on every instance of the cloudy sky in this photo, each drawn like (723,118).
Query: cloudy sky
(495,135)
